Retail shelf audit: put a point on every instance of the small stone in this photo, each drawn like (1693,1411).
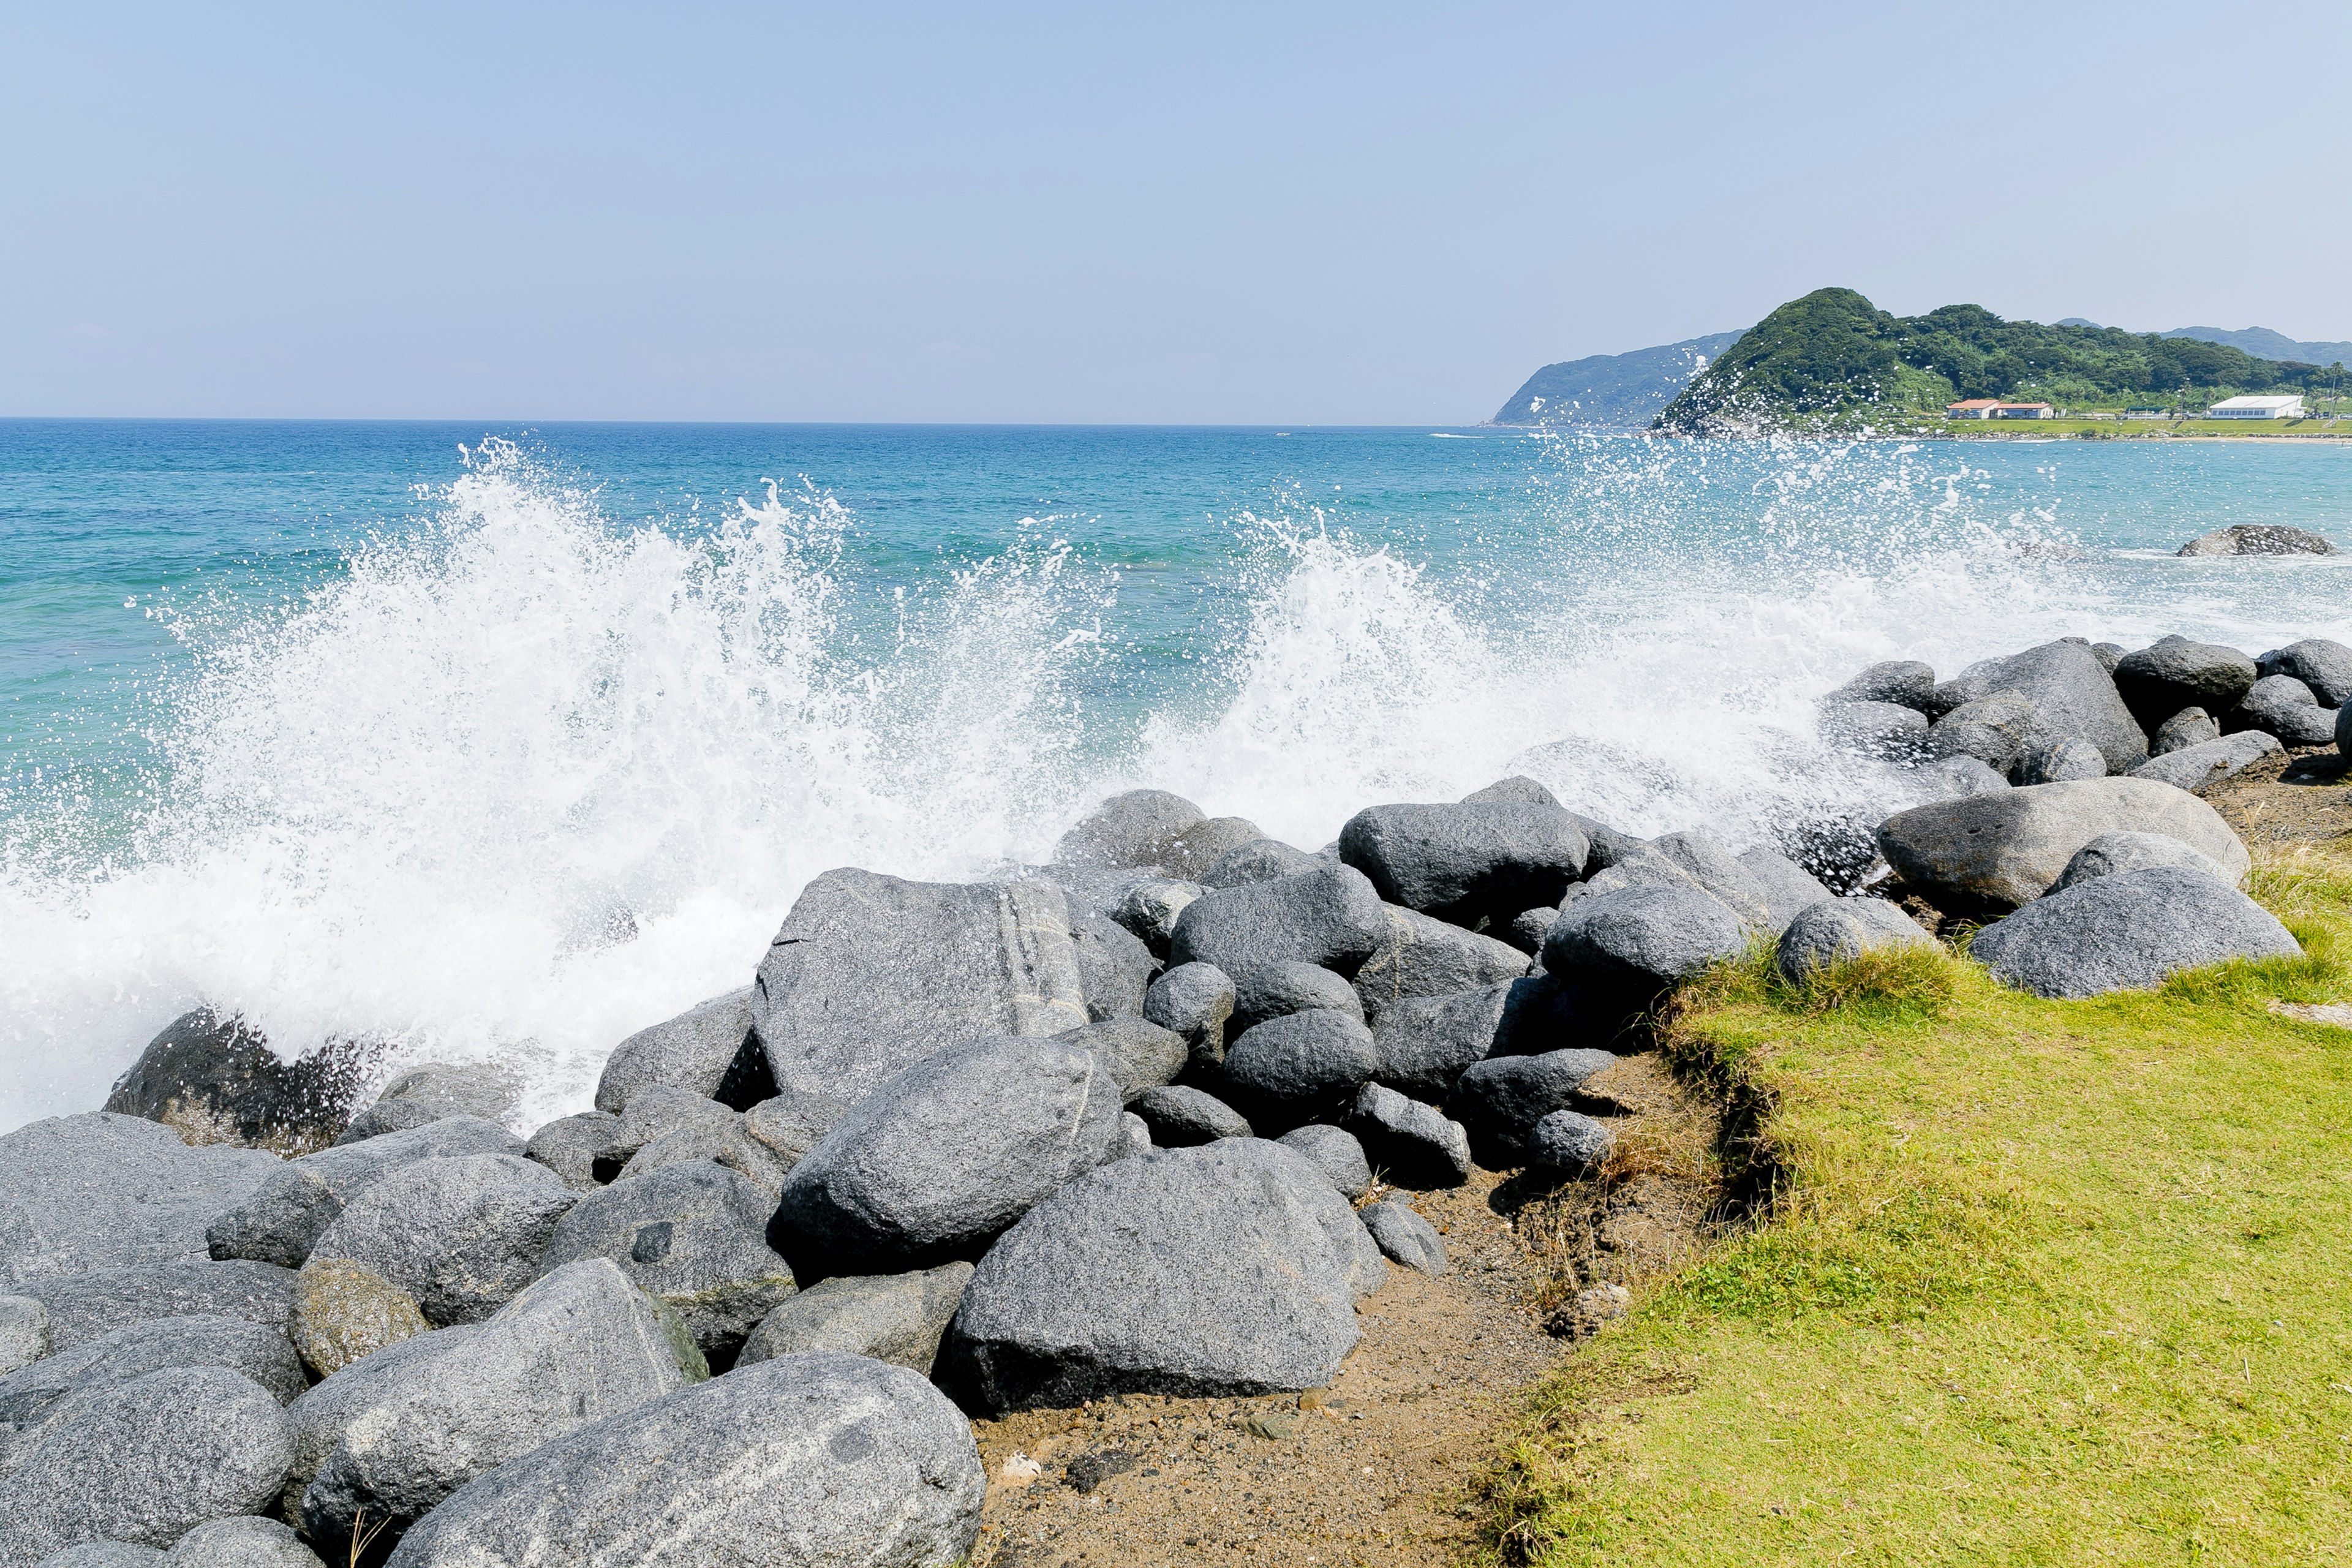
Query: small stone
(1570,1142)
(1406,1237)
(1336,1152)
(1180,1116)
(1088,1471)
(1412,1145)
(894,1318)
(1273,1426)
(343,1311)
(245,1540)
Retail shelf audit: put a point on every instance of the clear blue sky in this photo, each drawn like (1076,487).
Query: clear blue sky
(1335,213)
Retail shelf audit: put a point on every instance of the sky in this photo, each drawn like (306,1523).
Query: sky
(1357,213)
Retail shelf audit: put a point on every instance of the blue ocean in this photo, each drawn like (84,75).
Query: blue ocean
(505,740)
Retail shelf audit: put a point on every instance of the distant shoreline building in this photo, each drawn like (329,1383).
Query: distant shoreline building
(1994,408)
(2256,408)
(1974,408)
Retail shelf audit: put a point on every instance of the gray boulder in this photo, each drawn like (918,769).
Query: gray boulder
(1528,928)
(1263,991)
(1115,967)
(2110,654)
(692,1236)
(790,1125)
(2111,853)
(243,1542)
(2194,767)
(1134,1136)
(2127,931)
(1995,729)
(1516,790)
(1329,917)
(893,1318)
(1465,863)
(50,1391)
(1569,1143)
(1422,956)
(2175,673)
(103,1554)
(1413,1144)
(1904,681)
(1406,1237)
(461,1234)
(388,1116)
(2323,667)
(871,974)
(1957,692)
(81,1307)
(1335,1151)
(810,1458)
(1259,860)
(286,1213)
(655,1111)
(1623,949)
(2283,706)
(1726,879)
(1423,1043)
(725,1140)
(1210,842)
(1194,1001)
(1844,929)
(698,1051)
(2056,762)
(1231,1268)
(1991,853)
(579,1346)
(2072,694)
(345,1313)
(941,1159)
(104,1191)
(571,1145)
(2258,539)
(1786,886)
(1499,1101)
(1143,829)
(1872,729)
(24,1333)
(1299,1067)
(1958,777)
(144,1463)
(2189,727)
(1181,1116)
(1148,910)
(215,1080)
(1136,1054)
(436,1090)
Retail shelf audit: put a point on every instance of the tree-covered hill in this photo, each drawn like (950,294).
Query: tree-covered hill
(1833,359)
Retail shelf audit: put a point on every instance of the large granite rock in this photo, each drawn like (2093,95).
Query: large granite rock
(1412,1145)
(694,1237)
(708,1050)
(894,1317)
(1519,789)
(1179,1116)
(435,1089)
(2210,762)
(1299,1067)
(571,1145)
(1335,1151)
(1996,730)
(811,1460)
(2283,706)
(2189,727)
(1422,956)
(1406,1237)
(939,1160)
(1194,1001)
(1423,1043)
(724,1140)
(1959,776)
(1904,681)
(2111,854)
(1991,853)
(580,1345)
(1264,991)
(2127,931)
(1623,949)
(50,1391)
(2073,695)
(245,1541)
(1786,886)
(286,1213)
(1499,1101)
(2323,667)
(105,1191)
(145,1463)
(1115,967)
(215,1080)
(1230,1268)
(1144,829)
(1138,1054)
(2056,761)
(1149,908)
(1466,863)
(1843,929)
(459,1235)
(871,975)
(81,1307)
(1724,877)
(1259,860)
(344,1313)
(2174,673)
(1331,917)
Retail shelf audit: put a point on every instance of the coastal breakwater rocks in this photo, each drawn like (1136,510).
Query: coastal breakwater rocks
(105,1190)
(215,1080)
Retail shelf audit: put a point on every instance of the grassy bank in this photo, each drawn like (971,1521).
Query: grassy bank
(2042,1282)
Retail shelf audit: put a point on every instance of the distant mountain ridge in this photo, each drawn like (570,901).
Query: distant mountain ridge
(2264,344)
(1620,392)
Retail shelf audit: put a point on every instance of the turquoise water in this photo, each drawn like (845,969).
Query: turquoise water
(390,729)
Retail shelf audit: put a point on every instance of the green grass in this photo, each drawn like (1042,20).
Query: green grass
(2041,1282)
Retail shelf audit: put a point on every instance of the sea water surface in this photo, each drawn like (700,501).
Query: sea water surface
(500,740)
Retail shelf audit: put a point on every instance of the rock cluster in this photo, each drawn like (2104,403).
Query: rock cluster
(1100,1126)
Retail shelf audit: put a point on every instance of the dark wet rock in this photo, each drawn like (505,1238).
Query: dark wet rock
(2056,761)
(2325,667)
(2283,706)
(1872,729)
(1787,887)
(459,1235)
(578,1347)
(815,1457)
(1263,991)
(1995,729)
(1148,909)
(1844,929)
(693,1237)
(1335,1151)
(1569,1143)
(1624,949)
(1330,917)
(81,1307)
(1194,1001)
(1466,863)
(1954,693)
(894,1318)
(1423,1043)
(2111,853)
(1411,1144)
(345,1312)
(1906,682)
(871,974)
(2072,695)
(2127,931)
(145,1463)
(1499,1101)
(1958,777)
(1181,1116)
(1516,790)
(1114,967)
(2210,762)
(1232,1268)
(2259,539)
(2189,727)
(2161,679)
(1994,852)
(941,1159)
(1259,860)
(1138,1055)
(215,1080)
(108,1190)
(698,1051)
(1299,1067)
(288,1213)
(436,1090)
(1406,1237)
(1422,956)
(571,1145)
(243,1542)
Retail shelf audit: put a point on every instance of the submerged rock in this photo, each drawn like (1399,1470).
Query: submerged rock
(2259,539)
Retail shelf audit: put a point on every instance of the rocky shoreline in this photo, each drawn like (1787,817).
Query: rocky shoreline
(1143,1122)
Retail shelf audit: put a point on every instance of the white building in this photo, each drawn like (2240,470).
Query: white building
(2256,408)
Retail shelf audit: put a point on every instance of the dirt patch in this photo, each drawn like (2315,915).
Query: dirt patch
(2299,797)
(1374,1468)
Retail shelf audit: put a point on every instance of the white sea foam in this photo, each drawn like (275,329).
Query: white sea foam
(518,782)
